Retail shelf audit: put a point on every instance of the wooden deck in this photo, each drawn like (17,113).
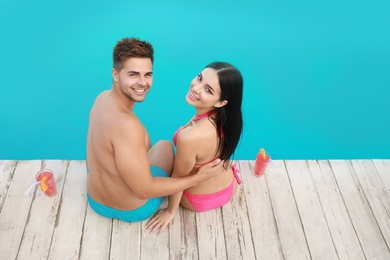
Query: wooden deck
(298,210)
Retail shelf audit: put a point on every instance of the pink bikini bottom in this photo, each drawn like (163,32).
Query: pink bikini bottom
(204,202)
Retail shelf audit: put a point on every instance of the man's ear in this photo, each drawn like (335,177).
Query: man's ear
(114,74)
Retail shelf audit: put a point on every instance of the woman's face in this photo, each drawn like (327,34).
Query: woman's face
(205,91)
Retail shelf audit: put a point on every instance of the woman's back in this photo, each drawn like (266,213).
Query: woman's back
(204,141)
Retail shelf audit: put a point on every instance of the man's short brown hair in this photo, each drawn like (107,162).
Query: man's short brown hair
(131,48)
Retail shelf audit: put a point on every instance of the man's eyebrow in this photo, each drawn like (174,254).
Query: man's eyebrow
(137,72)
(132,72)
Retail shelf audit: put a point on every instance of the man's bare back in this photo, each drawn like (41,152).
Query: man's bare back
(106,119)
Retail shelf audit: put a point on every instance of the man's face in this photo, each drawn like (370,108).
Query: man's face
(135,78)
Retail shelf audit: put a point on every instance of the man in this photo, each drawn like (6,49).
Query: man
(127,177)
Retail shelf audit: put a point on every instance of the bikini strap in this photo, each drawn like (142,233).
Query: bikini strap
(202,116)
(235,173)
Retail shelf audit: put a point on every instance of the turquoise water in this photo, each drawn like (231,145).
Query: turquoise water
(316,74)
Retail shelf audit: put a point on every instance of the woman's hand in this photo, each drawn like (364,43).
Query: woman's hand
(159,221)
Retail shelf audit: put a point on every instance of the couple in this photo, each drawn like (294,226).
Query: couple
(128,177)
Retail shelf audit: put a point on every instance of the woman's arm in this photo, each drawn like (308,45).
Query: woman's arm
(184,163)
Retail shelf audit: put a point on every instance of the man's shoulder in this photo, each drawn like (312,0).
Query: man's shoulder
(101,95)
(127,124)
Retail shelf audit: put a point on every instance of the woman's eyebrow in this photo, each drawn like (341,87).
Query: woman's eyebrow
(210,87)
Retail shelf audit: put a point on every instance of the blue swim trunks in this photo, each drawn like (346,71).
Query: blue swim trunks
(135,215)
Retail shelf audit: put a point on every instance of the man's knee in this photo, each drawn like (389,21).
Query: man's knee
(162,155)
(165,145)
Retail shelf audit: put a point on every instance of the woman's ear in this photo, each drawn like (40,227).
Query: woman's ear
(221,103)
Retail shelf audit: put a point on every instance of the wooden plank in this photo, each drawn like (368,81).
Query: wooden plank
(238,237)
(339,223)
(183,236)
(265,236)
(40,225)
(16,208)
(7,169)
(366,227)
(261,222)
(376,194)
(96,241)
(211,238)
(152,246)
(126,240)
(383,168)
(288,222)
(71,215)
(310,211)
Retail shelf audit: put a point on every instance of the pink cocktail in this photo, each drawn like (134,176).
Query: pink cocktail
(260,165)
(47,182)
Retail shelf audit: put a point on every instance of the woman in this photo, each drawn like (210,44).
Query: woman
(215,130)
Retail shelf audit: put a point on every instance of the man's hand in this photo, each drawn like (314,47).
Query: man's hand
(209,170)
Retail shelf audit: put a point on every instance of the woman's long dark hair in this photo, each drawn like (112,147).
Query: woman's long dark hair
(229,117)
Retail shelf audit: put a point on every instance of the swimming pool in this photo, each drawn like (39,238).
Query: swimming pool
(314,87)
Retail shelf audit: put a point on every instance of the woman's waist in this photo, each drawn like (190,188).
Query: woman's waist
(214,184)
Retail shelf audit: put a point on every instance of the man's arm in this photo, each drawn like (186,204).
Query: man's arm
(133,165)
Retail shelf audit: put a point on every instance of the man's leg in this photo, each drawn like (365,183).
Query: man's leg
(161,155)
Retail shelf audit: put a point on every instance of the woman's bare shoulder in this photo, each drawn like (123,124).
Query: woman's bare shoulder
(197,134)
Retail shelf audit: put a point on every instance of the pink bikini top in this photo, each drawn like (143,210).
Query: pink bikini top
(196,118)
